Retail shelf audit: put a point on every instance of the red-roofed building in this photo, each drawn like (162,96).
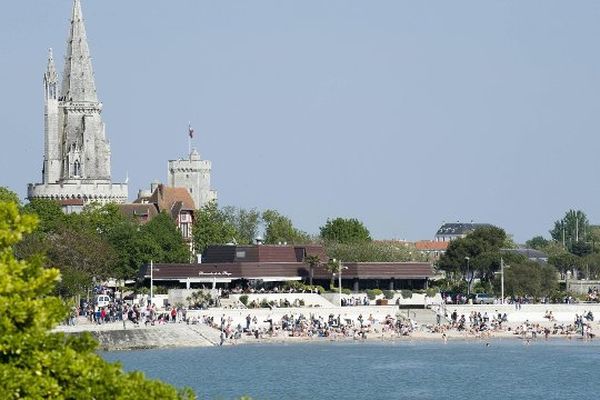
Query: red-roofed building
(176,202)
(431,248)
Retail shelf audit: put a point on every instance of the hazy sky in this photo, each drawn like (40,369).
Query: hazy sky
(403,114)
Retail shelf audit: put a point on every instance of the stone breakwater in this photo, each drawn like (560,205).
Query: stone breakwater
(113,337)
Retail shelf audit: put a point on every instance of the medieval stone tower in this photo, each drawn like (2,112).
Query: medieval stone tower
(193,174)
(76,164)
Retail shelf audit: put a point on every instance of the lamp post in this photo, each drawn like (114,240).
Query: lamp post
(341,267)
(502,280)
(151,281)
(468,273)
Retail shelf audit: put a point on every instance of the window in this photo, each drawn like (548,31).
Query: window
(185,230)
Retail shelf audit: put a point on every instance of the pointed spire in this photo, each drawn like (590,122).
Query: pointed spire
(50,75)
(51,78)
(78,78)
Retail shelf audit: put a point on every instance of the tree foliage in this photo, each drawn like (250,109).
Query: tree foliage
(7,195)
(279,229)
(537,242)
(36,363)
(573,227)
(345,230)
(170,245)
(373,252)
(245,223)
(212,227)
(477,254)
(529,278)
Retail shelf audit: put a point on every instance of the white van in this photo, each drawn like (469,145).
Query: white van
(102,300)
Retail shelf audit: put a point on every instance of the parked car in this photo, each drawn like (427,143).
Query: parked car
(483,298)
(102,300)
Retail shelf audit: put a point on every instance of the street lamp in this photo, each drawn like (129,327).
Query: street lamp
(468,273)
(152,281)
(340,280)
(502,280)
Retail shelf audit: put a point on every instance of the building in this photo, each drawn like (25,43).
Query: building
(176,202)
(431,249)
(242,266)
(451,231)
(76,164)
(192,173)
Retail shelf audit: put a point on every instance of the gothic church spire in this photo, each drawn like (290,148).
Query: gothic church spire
(78,77)
(50,77)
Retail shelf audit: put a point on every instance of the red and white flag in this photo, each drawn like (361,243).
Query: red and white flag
(191,130)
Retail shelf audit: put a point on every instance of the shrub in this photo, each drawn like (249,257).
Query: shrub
(431,292)
(347,291)
(373,293)
(406,294)
(244,299)
(389,294)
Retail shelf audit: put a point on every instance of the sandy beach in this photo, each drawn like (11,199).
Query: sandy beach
(119,336)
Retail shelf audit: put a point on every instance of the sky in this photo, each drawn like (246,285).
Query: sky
(402,114)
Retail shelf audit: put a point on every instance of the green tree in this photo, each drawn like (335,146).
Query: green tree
(373,251)
(537,242)
(591,266)
(333,266)
(81,256)
(211,226)
(38,364)
(279,229)
(245,222)
(345,230)
(170,245)
(477,254)
(572,228)
(529,278)
(49,213)
(9,196)
(313,261)
(565,262)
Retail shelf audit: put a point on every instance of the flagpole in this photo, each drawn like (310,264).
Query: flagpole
(189,138)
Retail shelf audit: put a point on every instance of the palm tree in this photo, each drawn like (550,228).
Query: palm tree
(312,261)
(333,266)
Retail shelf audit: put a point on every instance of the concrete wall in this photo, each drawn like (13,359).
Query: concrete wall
(563,313)
(310,299)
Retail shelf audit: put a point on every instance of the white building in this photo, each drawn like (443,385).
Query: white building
(76,164)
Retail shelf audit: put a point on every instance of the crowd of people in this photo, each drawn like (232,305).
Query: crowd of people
(311,326)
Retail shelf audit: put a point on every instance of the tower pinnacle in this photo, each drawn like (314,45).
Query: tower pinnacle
(50,78)
(78,77)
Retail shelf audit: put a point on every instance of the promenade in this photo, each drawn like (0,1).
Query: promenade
(372,323)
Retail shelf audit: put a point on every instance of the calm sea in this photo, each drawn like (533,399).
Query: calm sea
(558,369)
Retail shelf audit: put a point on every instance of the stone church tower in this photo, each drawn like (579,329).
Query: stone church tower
(76,164)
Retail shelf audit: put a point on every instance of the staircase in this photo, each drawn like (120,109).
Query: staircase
(422,316)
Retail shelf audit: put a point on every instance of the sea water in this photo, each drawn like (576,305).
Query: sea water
(509,369)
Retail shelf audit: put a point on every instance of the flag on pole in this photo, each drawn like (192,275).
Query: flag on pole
(191,130)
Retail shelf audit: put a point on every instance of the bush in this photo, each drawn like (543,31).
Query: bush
(406,294)
(264,303)
(373,293)
(244,299)
(431,292)
(347,291)
(389,294)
